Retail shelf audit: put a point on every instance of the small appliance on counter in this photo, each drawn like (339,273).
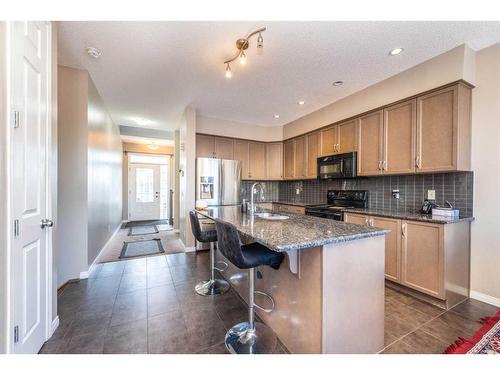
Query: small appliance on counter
(337,166)
(448,212)
(427,207)
(338,201)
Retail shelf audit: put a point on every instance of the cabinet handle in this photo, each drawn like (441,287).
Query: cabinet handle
(384,165)
(366,220)
(417,161)
(380,165)
(338,147)
(403,230)
(371,222)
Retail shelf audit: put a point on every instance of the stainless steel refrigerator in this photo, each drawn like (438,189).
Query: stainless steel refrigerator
(218,181)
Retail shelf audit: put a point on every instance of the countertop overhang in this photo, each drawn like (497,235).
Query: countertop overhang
(295,233)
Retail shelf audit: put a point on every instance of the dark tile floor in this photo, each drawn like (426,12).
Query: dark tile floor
(145,305)
(148,305)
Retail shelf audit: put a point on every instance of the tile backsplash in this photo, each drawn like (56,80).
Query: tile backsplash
(456,188)
(271,191)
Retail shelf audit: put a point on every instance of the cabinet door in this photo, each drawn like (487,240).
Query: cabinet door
(357,219)
(346,137)
(312,155)
(400,123)
(437,130)
(422,257)
(370,130)
(205,146)
(274,161)
(224,148)
(289,156)
(241,154)
(328,141)
(392,246)
(300,157)
(257,161)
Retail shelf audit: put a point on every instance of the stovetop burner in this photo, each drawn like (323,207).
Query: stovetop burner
(338,201)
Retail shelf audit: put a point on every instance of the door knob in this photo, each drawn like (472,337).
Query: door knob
(46,223)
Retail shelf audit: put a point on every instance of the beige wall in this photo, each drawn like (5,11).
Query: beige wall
(104,168)
(453,65)
(176,178)
(485,239)
(235,129)
(187,160)
(89,174)
(71,239)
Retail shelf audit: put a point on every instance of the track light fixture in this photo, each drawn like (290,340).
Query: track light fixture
(242,45)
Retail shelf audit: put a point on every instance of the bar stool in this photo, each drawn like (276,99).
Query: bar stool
(213,286)
(248,337)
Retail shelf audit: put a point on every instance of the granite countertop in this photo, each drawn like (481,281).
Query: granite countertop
(407,215)
(295,233)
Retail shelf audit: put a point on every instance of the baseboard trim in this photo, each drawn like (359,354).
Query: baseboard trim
(55,324)
(485,298)
(85,274)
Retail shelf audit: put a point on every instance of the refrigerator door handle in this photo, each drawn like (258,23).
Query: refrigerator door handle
(221,182)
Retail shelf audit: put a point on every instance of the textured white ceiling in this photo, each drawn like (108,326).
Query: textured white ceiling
(150,71)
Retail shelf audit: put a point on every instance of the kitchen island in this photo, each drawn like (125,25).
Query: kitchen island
(329,290)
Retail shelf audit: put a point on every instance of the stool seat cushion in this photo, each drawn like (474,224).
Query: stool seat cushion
(256,255)
(246,256)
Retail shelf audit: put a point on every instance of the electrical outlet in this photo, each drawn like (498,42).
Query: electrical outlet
(431,195)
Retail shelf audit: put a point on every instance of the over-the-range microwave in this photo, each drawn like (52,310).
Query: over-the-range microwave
(337,166)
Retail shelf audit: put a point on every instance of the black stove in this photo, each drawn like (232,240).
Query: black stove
(338,202)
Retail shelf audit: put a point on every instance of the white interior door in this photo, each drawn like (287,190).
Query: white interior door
(144,192)
(29,254)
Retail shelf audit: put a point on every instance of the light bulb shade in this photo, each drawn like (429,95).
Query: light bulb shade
(229,74)
(243,58)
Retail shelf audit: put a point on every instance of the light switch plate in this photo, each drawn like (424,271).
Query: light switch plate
(431,195)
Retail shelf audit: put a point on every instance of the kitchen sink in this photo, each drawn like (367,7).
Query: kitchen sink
(271,216)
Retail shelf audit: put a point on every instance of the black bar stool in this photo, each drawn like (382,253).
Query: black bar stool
(248,337)
(213,286)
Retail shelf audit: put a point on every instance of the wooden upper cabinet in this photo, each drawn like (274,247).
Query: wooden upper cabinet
(257,161)
(423,257)
(400,122)
(370,131)
(392,246)
(443,130)
(274,155)
(312,146)
(328,140)
(224,148)
(241,154)
(346,137)
(289,157)
(300,157)
(205,146)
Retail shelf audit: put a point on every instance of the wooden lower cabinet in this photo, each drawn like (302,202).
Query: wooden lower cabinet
(431,258)
(298,210)
(392,240)
(392,246)
(422,257)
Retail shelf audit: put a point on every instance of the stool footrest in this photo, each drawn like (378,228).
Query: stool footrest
(221,269)
(270,299)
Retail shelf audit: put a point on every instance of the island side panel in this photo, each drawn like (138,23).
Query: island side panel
(296,318)
(353,296)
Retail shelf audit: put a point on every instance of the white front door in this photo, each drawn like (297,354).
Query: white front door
(144,192)
(30,118)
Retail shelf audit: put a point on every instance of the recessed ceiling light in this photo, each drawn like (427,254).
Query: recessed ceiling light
(93,52)
(276,116)
(338,83)
(396,51)
(301,102)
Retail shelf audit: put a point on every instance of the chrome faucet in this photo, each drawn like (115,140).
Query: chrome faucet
(253,190)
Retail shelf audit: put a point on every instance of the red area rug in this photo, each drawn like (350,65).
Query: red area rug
(485,341)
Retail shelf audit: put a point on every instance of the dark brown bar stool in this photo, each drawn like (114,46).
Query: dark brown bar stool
(213,286)
(248,337)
